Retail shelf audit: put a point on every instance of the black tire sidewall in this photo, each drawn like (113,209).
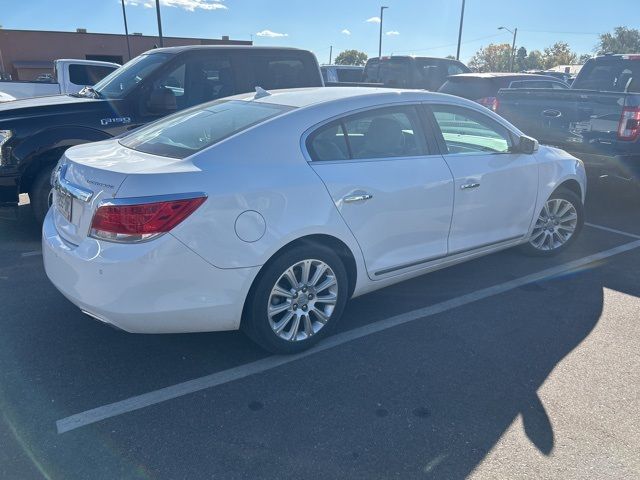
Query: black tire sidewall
(255,322)
(569,196)
(39,193)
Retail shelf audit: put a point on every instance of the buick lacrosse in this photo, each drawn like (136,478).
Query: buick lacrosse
(267,211)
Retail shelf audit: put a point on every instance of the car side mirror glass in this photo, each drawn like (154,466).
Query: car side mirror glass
(527,145)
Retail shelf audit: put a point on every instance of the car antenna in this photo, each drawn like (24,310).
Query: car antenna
(261,92)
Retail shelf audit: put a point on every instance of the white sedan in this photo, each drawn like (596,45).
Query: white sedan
(267,211)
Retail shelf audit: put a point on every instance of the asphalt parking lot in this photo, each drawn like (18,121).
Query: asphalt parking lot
(503,367)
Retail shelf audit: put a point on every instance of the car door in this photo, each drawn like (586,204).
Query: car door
(394,193)
(495,187)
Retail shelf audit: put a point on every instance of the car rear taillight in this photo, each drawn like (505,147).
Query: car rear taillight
(629,126)
(490,102)
(137,220)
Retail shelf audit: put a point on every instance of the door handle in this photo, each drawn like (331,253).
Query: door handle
(468,186)
(359,197)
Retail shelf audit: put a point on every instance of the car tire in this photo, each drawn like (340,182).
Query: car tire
(313,307)
(557,226)
(40,194)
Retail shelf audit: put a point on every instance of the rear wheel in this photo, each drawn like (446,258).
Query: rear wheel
(557,226)
(297,300)
(40,195)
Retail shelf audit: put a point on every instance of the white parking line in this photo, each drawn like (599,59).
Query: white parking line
(157,396)
(612,230)
(31,254)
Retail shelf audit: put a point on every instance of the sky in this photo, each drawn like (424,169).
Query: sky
(410,27)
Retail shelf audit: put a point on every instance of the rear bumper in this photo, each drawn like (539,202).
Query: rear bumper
(155,287)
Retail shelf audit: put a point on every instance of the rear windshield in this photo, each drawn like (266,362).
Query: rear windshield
(473,88)
(192,130)
(349,75)
(393,72)
(610,75)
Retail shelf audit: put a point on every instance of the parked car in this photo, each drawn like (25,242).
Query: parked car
(70,76)
(483,87)
(562,76)
(411,72)
(34,133)
(266,212)
(597,119)
(342,73)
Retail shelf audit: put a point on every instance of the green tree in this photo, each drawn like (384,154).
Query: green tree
(558,54)
(520,62)
(351,57)
(582,59)
(535,60)
(492,58)
(621,40)
(451,57)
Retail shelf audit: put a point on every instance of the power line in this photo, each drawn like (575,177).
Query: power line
(473,40)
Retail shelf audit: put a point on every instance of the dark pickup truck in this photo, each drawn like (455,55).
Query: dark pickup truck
(35,132)
(597,119)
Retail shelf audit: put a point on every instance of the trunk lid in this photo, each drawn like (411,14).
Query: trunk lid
(88,174)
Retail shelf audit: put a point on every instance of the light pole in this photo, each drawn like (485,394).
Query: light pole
(330,53)
(159,23)
(460,31)
(513,46)
(382,9)
(126,29)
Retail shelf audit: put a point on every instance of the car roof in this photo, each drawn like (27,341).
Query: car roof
(305,97)
(185,48)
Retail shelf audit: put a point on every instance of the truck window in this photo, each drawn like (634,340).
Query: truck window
(609,75)
(124,79)
(83,75)
(272,73)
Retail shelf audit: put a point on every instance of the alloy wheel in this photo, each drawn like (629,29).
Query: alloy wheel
(555,226)
(302,300)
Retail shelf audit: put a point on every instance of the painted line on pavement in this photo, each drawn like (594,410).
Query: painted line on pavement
(219,378)
(612,230)
(35,253)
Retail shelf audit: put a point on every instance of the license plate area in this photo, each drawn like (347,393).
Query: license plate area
(64,204)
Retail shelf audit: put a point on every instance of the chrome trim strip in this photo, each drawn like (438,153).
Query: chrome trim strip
(68,188)
(442,257)
(150,199)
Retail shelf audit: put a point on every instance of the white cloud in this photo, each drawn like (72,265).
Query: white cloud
(270,34)
(393,32)
(189,5)
(373,20)
(346,32)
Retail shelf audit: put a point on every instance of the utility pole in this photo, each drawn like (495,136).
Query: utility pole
(513,46)
(330,53)
(460,31)
(126,30)
(159,23)
(380,40)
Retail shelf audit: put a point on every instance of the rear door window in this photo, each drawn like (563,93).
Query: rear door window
(610,75)
(278,72)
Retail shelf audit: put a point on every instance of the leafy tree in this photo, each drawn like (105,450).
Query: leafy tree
(558,54)
(451,57)
(582,59)
(492,58)
(622,40)
(521,60)
(535,60)
(351,57)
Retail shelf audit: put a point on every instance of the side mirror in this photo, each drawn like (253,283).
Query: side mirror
(162,101)
(527,145)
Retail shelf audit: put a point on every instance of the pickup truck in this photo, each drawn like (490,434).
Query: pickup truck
(35,132)
(411,72)
(596,120)
(69,76)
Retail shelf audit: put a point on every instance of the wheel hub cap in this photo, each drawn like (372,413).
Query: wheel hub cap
(555,225)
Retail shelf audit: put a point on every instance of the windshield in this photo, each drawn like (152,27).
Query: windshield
(192,130)
(124,79)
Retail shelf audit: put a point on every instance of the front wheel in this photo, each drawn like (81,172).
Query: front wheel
(297,300)
(557,226)
(40,194)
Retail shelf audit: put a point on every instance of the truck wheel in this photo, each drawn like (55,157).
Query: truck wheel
(40,194)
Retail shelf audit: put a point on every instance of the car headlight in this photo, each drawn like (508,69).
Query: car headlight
(5,135)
